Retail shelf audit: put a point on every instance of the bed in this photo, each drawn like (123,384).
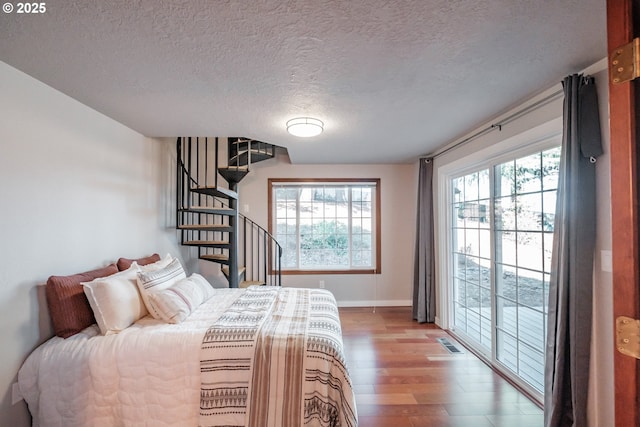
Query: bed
(261,356)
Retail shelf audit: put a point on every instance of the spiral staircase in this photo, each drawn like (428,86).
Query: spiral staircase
(207,209)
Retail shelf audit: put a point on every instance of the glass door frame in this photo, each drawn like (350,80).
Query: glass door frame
(511,150)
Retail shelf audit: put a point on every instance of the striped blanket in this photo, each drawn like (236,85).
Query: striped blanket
(275,359)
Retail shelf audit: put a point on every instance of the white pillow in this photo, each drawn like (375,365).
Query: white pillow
(176,303)
(157,280)
(115,300)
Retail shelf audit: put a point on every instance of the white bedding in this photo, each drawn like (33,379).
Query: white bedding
(165,357)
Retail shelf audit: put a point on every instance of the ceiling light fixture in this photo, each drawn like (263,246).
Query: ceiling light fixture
(305,127)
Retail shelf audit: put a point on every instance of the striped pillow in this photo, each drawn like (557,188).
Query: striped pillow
(176,303)
(158,280)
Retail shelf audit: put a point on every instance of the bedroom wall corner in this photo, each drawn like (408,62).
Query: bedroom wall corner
(79,190)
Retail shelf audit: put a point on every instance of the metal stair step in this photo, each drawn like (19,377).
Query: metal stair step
(225,271)
(207,243)
(247,283)
(220,258)
(209,210)
(235,168)
(223,228)
(233,174)
(216,192)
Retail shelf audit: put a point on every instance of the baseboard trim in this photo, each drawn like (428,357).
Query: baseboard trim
(438,323)
(378,303)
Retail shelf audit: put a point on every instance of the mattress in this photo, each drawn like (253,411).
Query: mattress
(159,374)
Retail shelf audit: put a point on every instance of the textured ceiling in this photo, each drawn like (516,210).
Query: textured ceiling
(391,79)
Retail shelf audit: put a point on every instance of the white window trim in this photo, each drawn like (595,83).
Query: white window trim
(534,140)
(374,183)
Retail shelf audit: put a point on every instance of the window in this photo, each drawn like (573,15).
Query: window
(525,203)
(472,256)
(326,225)
(501,234)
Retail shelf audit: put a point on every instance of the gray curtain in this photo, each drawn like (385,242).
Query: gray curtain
(424,293)
(570,289)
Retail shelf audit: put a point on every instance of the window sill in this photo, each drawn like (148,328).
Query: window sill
(310,272)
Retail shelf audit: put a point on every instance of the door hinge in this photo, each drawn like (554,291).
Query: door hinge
(628,336)
(624,62)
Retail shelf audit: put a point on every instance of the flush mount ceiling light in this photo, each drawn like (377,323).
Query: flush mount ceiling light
(304,127)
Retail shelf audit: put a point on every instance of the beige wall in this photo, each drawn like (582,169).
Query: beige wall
(78,190)
(398,195)
(544,121)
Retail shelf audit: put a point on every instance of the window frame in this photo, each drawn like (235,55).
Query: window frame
(376,226)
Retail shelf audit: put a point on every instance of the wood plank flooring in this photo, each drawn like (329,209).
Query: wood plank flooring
(403,377)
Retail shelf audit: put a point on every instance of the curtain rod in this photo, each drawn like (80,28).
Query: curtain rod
(501,123)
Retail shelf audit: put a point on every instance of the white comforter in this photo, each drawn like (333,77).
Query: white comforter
(88,370)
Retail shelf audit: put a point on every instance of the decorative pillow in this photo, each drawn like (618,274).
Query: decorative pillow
(157,280)
(115,300)
(68,306)
(176,303)
(125,263)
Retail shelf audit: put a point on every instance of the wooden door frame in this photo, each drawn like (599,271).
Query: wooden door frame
(624,207)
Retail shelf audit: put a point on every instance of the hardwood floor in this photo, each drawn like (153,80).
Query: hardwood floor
(403,377)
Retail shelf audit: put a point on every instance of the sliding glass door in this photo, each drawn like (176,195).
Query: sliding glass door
(471,211)
(501,241)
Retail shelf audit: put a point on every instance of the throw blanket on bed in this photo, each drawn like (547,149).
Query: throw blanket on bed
(275,359)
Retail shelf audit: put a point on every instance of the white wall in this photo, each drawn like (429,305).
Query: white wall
(601,387)
(398,195)
(538,122)
(78,190)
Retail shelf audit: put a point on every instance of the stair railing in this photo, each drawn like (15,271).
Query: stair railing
(257,250)
(261,254)
(193,170)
